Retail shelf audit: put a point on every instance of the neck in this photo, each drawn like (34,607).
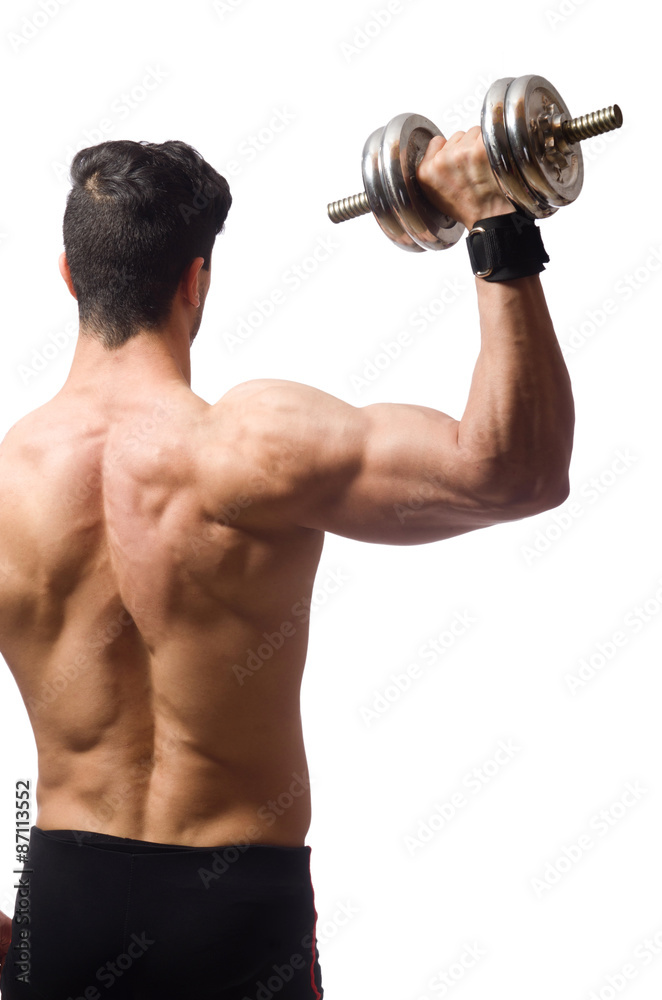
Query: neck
(145,362)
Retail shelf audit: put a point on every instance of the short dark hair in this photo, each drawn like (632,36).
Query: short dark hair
(137,216)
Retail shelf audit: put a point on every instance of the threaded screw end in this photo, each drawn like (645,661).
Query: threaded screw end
(349,208)
(596,123)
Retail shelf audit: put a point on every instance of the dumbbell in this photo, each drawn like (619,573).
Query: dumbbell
(532,144)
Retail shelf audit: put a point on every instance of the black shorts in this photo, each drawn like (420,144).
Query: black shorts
(101,917)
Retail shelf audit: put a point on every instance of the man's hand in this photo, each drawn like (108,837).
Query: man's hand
(456,176)
(5,937)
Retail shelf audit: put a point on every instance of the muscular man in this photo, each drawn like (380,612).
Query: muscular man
(149,541)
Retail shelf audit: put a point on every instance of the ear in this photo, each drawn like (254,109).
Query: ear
(189,282)
(66,273)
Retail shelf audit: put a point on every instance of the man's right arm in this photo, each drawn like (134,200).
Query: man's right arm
(405,474)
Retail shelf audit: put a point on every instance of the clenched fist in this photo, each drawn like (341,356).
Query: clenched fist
(456,176)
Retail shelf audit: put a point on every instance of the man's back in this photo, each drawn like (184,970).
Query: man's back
(157,558)
(154,612)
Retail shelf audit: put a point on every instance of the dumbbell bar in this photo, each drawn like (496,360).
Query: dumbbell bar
(532,144)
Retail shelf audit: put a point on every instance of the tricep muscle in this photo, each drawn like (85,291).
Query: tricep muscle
(389,473)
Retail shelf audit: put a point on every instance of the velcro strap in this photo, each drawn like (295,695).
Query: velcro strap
(506,247)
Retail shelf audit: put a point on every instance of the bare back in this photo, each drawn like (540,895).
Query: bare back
(154,614)
(158,556)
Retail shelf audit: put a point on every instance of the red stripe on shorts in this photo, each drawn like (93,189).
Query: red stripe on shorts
(318,995)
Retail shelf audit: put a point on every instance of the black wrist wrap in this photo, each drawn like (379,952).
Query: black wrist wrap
(506,247)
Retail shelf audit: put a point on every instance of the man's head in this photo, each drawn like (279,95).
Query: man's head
(141,217)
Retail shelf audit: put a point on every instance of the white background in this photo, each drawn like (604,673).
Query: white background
(544,593)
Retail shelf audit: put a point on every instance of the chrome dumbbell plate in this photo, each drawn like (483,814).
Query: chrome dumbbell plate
(551,167)
(536,168)
(390,159)
(499,153)
(378,197)
(405,140)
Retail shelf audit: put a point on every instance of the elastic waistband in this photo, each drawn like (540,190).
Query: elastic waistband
(89,838)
